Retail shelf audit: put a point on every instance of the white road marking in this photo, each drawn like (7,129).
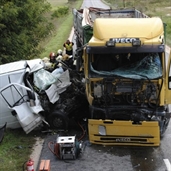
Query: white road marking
(168,165)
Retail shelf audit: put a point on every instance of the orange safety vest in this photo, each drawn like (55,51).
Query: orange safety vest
(68,46)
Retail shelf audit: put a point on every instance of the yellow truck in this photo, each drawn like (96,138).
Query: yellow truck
(127,75)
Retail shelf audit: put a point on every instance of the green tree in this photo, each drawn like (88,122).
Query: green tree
(22,26)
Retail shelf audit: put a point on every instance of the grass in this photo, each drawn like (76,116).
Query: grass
(15,149)
(62,30)
(16,146)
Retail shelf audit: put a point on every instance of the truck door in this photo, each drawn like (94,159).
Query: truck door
(168,88)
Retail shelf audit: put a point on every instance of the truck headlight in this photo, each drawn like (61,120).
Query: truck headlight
(102,130)
(98,90)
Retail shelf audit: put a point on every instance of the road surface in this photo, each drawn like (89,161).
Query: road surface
(113,158)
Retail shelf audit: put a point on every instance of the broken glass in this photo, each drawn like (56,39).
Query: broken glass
(148,67)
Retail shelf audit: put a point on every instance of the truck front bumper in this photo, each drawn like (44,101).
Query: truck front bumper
(111,132)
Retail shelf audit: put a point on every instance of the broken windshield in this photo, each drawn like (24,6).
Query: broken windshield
(147,66)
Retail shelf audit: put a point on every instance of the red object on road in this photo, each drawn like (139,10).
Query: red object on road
(30,165)
(44,165)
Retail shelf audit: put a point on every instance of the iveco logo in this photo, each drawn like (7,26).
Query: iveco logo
(122,139)
(123,40)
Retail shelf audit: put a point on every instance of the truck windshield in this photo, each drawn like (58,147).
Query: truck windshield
(134,66)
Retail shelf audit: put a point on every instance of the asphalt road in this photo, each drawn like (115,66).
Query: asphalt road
(111,158)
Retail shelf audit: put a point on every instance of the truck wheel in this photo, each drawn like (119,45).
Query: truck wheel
(78,42)
(166,123)
(164,128)
(58,120)
(79,63)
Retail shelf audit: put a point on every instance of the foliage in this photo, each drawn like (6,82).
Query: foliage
(60,11)
(62,29)
(15,149)
(22,27)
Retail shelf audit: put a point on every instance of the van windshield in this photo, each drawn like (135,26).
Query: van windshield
(134,66)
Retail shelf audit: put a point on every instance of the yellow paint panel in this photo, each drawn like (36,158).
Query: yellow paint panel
(146,28)
(124,133)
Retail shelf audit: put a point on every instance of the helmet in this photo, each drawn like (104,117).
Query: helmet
(52,57)
(52,54)
(59,52)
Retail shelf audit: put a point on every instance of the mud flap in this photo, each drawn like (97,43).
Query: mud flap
(108,132)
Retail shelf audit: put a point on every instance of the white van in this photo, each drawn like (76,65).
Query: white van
(16,106)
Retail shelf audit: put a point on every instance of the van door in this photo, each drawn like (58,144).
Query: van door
(26,114)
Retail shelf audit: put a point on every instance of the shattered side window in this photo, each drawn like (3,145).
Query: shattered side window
(148,67)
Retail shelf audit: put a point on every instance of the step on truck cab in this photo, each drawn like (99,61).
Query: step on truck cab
(127,75)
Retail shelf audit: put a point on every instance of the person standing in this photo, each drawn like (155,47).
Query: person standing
(69,47)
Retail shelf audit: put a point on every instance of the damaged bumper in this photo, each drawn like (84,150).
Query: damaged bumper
(111,132)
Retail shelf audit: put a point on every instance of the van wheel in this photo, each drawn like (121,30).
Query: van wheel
(58,120)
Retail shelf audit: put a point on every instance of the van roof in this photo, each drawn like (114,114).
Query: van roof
(13,66)
(34,64)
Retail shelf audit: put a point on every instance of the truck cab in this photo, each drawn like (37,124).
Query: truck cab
(128,81)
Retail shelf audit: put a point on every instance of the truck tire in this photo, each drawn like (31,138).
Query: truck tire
(58,120)
(78,63)
(166,123)
(78,42)
(79,60)
(164,128)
